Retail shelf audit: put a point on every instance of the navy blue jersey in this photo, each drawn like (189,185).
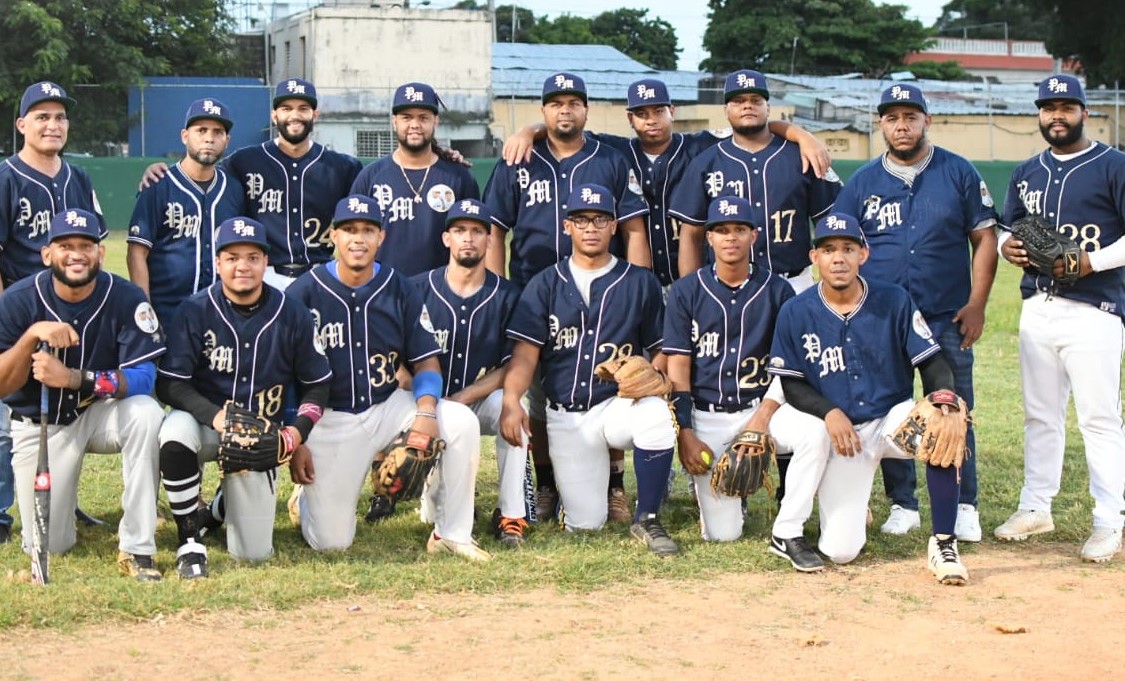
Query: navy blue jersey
(368,332)
(919,232)
(293,197)
(415,204)
(785,200)
(116,328)
(625,317)
(658,178)
(1084,198)
(470,331)
(176,220)
(28,201)
(529,200)
(863,363)
(254,361)
(727,332)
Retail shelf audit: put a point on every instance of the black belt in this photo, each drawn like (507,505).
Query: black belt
(31,420)
(721,408)
(292,270)
(551,404)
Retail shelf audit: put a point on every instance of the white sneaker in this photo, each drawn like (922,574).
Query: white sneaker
(1103,543)
(1024,523)
(945,561)
(901,521)
(468,550)
(967,527)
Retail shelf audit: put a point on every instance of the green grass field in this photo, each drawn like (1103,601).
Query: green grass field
(390,560)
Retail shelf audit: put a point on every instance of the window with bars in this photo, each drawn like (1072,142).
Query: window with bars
(374,143)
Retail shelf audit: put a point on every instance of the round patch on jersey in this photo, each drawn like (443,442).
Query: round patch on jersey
(425,321)
(777,362)
(721,133)
(634,185)
(135,230)
(831,176)
(145,317)
(441,198)
(985,197)
(921,327)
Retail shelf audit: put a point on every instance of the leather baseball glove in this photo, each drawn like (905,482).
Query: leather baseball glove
(250,442)
(745,465)
(635,377)
(935,429)
(1045,245)
(407,463)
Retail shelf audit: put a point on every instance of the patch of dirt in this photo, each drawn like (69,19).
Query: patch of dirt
(874,621)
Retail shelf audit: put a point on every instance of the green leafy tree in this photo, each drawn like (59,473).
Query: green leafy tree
(939,70)
(524,21)
(565,29)
(650,41)
(97,49)
(810,36)
(1022,20)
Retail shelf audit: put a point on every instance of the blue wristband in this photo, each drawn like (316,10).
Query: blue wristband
(427,383)
(681,407)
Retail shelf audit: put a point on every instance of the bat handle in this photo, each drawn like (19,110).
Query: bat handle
(43,405)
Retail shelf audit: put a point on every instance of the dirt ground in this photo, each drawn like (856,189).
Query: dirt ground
(1029,614)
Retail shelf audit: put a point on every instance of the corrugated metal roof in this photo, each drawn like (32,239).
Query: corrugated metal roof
(946,98)
(519,69)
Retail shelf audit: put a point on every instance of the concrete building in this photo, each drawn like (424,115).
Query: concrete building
(357,53)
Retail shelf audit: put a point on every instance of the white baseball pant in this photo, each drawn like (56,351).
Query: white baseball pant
(343,446)
(1066,345)
(580,442)
(108,426)
(511,461)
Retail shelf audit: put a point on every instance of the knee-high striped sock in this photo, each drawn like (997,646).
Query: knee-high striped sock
(179,471)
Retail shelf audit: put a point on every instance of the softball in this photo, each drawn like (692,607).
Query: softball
(706,456)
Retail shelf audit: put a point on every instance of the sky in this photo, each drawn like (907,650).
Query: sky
(689,17)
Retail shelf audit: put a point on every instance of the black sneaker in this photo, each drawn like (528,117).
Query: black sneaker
(208,523)
(191,560)
(382,507)
(652,533)
(797,552)
(87,519)
(5,534)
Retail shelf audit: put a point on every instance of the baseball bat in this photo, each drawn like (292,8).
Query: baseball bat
(40,542)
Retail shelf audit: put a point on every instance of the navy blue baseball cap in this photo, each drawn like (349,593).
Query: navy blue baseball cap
(591,197)
(729,209)
(241,230)
(564,83)
(208,109)
(648,92)
(294,88)
(903,94)
(469,209)
(357,207)
(44,91)
(417,95)
(836,225)
(1061,86)
(75,222)
(743,81)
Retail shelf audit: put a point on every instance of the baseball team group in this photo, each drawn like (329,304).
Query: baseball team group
(358,310)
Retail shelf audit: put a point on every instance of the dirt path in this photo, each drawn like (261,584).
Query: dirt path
(874,621)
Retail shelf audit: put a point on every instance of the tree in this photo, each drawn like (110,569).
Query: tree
(939,70)
(524,21)
(650,41)
(565,29)
(97,49)
(810,36)
(993,19)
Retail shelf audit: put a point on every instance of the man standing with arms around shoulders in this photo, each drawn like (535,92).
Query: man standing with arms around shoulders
(930,223)
(415,186)
(171,234)
(1071,335)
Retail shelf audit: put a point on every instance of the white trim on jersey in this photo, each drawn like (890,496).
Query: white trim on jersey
(452,341)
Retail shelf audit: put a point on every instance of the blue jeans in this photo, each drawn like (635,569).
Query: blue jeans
(900,479)
(7,478)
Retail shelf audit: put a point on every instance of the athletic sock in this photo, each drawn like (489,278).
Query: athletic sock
(783,461)
(651,467)
(945,490)
(179,471)
(545,475)
(616,474)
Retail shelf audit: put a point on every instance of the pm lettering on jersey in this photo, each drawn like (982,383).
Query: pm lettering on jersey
(179,222)
(330,335)
(565,338)
(1032,200)
(39,222)
(831,359)
(706,344)
(394,209)
(885,214)
(441,337)
(538,192)
(220,358)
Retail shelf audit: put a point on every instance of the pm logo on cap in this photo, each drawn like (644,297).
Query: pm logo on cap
(44,91)
(902,95)
(564,84)
(469,209)
(591,197)
(241,230)
(294,88)
(75,222)
(839,225)
(726,209)
(357,207)
(1061,86)
(648,92)
(415,95)
(743,82)
(208,109)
